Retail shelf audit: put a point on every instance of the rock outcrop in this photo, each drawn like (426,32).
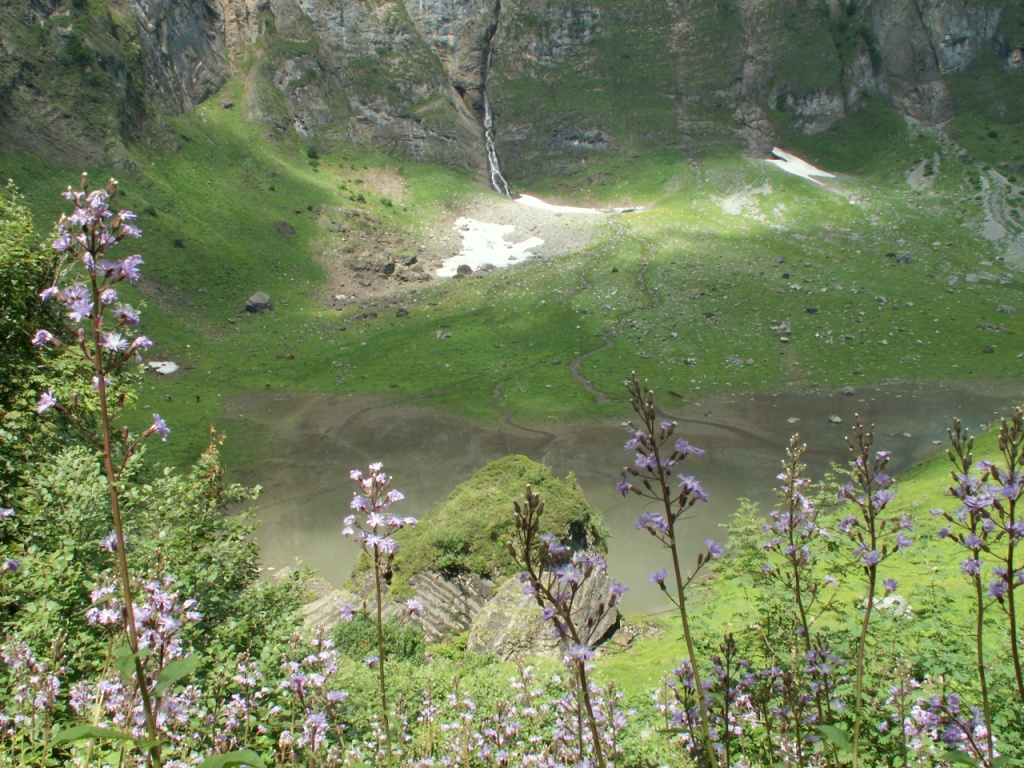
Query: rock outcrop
(510,625)
(411,76)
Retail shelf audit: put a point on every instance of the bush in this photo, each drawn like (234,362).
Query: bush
(357,639)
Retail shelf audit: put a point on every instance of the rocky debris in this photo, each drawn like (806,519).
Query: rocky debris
(903,257)
(1006,309)
(510,624)
(258,303)
(443,335)
(992,328)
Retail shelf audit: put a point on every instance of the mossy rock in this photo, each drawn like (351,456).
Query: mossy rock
(469,532)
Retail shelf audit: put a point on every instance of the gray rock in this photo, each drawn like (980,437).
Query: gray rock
(510,625)
(258,303)
(325,611)
(835,419)
(449,604)
(848,391)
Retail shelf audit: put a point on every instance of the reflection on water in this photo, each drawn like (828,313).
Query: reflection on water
(317,439)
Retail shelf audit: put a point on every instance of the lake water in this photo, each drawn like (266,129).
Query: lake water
(317,439)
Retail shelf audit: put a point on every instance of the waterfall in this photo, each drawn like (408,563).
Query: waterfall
(493,168)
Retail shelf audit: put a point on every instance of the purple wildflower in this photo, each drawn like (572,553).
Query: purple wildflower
(42,338)
(159,427)
(414,606)
(46,401)
(658,577)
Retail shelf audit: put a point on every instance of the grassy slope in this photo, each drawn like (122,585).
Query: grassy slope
(687,292)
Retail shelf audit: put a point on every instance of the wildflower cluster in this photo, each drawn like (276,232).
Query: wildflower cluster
(35,688)
(986,523)
(160,618)
(106,337)
(656,459)
(789,541)
(373,532)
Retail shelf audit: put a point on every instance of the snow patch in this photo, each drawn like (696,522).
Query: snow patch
(535,202)
(484,243)
(793,164)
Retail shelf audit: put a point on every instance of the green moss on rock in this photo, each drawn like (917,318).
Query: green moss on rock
(470,531)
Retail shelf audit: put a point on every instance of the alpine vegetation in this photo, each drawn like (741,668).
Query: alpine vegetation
(134,630)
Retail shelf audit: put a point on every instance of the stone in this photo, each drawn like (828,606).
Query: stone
(449,604)
(163,367)
(848,391)
(258,303)
(464,270)
(284,228)
(325,611)
(510,624)
(833,419)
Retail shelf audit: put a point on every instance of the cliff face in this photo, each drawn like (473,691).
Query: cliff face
(565,77)
(78,78)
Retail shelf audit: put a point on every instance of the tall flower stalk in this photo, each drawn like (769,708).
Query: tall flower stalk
(973,527)
(987,523)
(106,342)
(790,535)
(373,532)
(876,537)
(555,577)
(651,477)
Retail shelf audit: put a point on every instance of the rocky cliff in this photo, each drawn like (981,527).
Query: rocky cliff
(566,77)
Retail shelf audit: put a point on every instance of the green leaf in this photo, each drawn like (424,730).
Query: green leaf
(836,737)
(174,672)
(238,757)
(80,732)
(961,758)
(124,660)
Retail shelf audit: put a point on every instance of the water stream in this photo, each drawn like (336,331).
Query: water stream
(498,182)
(316,439)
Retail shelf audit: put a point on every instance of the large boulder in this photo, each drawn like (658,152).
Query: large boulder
(510,625)
(258,303)
(452,559)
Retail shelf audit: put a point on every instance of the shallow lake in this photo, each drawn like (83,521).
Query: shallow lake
(317,439)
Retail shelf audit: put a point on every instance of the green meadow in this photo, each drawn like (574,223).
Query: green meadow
(733,277)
